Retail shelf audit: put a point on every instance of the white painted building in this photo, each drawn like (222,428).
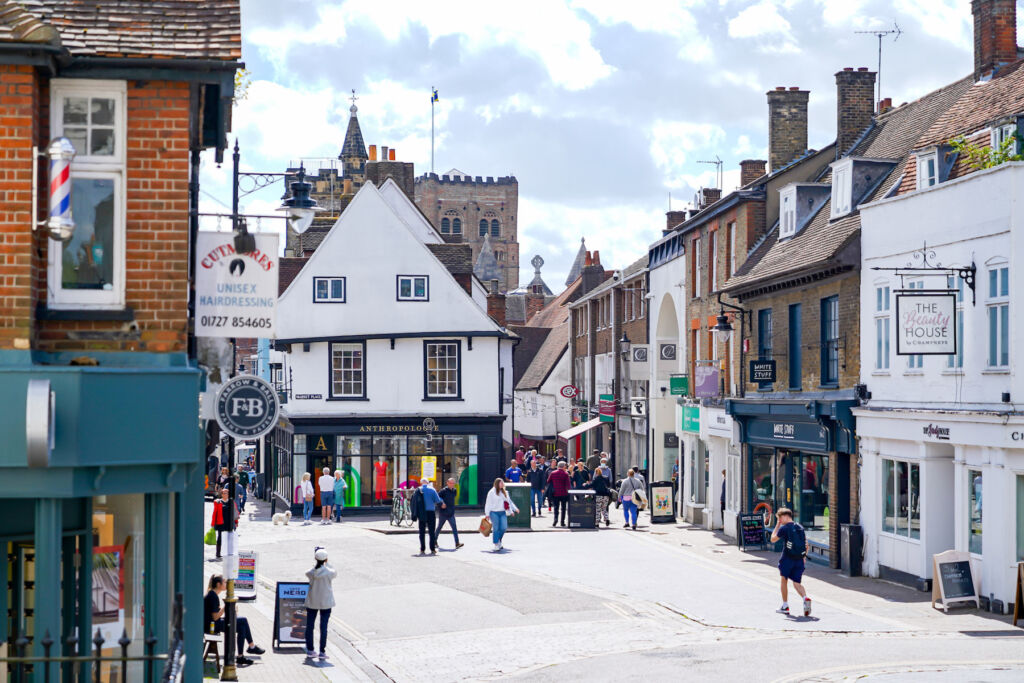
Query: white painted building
(942,437)
(394,370)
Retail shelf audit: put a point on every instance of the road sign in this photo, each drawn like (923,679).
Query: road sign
(247,407)
(569,391)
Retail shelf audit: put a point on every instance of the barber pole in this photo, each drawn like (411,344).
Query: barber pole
(60,223)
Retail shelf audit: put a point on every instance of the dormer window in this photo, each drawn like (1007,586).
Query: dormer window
(842,189)
(1003,132)
(798,204)
(927,169)
(787,213)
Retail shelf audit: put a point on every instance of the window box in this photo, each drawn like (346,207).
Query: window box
(329,290)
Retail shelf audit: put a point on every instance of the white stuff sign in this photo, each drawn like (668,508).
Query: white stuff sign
(925,324)
(236,294)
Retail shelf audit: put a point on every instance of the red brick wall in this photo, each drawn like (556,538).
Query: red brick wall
(156,235)
(19,113)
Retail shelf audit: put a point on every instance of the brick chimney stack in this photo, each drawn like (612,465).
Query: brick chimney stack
(885,105)
(787,125)
(855,106)
(709,195)
(751,170)
(592,273)
(995,35)
(674,218)
(496,304)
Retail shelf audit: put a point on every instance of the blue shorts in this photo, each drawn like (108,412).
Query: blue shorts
(327,497)
(791,568)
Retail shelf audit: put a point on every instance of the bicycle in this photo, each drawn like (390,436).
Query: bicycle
(401,511)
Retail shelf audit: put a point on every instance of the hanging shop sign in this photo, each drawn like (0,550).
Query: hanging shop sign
(569,391)
(289,613)
(236,294)
(762,371)
(606,408)
(706,381)
(667,351)
(679,385)
(691,418)
(638,353)
(247,407)
(925,324)
(638,407)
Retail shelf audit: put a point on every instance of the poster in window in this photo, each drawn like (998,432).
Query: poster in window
(108,591)
(925,324)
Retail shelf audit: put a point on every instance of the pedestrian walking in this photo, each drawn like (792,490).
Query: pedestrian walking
(629,509)
(560,482)
(219,521)
(538,478)
(594,460)
(580,476)
(513,474)
(791,563)
(213,620)
(520,457)
(499,507)
(723,498)
(241,490)
(606,471)
(602,496)
(319,600)
(446,513)
(223,479)
(424,502)
(326,484)
(340,486)
(307,499)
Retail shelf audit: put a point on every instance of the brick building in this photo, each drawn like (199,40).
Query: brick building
(95,348)
(468,209)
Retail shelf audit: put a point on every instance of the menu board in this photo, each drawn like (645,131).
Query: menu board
(752,531)
(290,612)
(245,583)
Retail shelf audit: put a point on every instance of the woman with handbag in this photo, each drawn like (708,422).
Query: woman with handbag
(307,499)
(629,485)
(602,496)
(498,507)
(218,521)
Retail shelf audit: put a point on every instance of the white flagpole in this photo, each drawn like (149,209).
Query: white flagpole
(432,129)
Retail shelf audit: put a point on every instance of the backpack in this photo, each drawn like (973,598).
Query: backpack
(796,543)
(417,504)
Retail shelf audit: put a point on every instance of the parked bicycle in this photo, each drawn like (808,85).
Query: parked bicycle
(401,510)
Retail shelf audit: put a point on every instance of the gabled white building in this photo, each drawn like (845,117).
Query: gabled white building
(394,370)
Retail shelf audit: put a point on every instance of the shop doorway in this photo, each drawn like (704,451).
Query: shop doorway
(793,479)
(319,463)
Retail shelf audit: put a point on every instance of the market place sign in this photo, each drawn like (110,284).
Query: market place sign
(925,324)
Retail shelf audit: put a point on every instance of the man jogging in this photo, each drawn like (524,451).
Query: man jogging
(791,564)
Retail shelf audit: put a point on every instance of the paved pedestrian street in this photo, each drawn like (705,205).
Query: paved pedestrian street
(670,601)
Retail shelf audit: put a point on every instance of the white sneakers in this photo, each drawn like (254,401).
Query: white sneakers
(807,607)
(784,609)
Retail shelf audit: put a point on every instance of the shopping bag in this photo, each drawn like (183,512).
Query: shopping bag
(485,526)
(639,499)
(211,537)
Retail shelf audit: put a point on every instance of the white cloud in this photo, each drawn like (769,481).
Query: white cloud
(949,20)
(668,17)
(671,143)
(762,19)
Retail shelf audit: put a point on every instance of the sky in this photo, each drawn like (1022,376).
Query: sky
(601,109)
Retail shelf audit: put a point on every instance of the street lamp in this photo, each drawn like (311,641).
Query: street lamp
(300,207)
(723,330)
(624,344)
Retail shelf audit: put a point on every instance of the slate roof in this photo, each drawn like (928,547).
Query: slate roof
(524,353)
(556,312)
(487,267)
(172,29)
(515,308)
(288,268)
(556,343)
(820,245)
(457,258)
(353,145)
(577,264)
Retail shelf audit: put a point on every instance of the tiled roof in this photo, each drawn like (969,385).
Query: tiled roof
(20,22)
(556,312)
(531,340)
(353,147)
(515,309)
(172,29)
(980,105)
(547,356)
(893,136)
(457,258)
(288,268)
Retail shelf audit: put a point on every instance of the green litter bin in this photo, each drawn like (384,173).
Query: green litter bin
(520,495)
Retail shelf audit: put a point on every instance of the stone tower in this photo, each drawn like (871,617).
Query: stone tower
(353,152)
(472,210)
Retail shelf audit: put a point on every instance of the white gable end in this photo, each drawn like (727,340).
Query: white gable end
(407,211)
(370,246)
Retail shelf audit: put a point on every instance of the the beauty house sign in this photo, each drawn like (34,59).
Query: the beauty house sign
(925,324)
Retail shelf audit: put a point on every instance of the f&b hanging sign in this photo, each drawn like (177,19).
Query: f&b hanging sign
(925,324)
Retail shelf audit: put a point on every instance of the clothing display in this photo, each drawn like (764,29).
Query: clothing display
(380,480)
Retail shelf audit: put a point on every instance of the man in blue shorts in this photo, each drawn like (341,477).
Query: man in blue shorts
(791,564)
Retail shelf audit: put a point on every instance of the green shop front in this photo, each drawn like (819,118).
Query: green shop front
(101,504)
(800,454)
(378,456)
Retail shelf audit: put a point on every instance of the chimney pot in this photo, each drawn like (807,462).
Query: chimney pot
(862,68)
(597,258)
(391,154)
(373,152)
(995,35)
(847,68)
(780,87)
(794,88)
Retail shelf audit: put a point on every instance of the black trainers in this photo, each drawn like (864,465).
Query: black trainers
(255,650)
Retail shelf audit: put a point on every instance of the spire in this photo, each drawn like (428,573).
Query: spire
(354,147)
(537,285)
(487,267)
(577,265)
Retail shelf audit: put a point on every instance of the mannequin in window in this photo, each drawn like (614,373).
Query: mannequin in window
(380,479)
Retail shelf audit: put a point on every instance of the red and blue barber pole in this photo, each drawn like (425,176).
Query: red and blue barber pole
(60,223)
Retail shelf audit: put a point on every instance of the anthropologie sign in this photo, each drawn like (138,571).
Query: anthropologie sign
(236,294)
(925,324)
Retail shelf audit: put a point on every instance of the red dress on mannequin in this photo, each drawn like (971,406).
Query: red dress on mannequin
(380,483)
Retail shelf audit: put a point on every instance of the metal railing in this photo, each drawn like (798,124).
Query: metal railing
(23,667)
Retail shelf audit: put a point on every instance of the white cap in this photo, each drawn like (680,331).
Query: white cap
(320,555)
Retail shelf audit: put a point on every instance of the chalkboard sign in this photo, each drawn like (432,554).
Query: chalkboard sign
(953,579)
(290,613)
(752,531)
(1018,608)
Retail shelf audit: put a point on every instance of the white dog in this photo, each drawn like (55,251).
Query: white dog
(282,518)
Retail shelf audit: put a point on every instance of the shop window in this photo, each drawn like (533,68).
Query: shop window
(413,288)
(974,512)
(956,360)
(999,317)
(698,473)
(1020,517)
(328,290)
(883,326)
(762,479)
(830,341)
(442,374)
(795,349)
(901,513)
(348,370)
(764,341)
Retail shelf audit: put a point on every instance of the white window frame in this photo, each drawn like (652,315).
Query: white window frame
(100,167)
(731,237)
(1000,133)
(330,299)
(427,394)
(955,361)
(896,532)
(926,179)
(842,188)
(995,303)
(712,260)
(883,327)
(361,372)
(787,212)
(412,288)
(695,262)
